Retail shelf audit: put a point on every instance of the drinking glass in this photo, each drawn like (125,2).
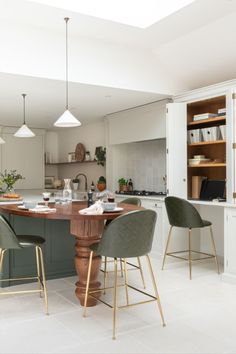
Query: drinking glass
(46,197)
(111,197)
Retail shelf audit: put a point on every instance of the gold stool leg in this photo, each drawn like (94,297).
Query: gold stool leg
(115,299)
(167,245)
(44,280)
(126,281)
(105,275)
(38,270)
(1,258)
(214,249)
(155,289)
(121,268)
(87,284)
(189,254)
(141,271)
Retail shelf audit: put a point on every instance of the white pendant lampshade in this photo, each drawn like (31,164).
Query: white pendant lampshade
(24,131)
(2,141)
(67,119)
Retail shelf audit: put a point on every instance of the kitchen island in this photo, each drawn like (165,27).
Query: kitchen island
(57,228)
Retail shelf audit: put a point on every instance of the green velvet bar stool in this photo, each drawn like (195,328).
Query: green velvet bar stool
(10,241)
(128,236)
(132,201)
(183,214)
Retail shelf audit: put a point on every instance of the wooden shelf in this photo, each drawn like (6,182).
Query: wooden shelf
(203,143)
(69,163)
(207,122)
(200,165)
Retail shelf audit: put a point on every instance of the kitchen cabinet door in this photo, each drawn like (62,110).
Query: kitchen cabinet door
(157,206)
(26,155)
(176,143)
(230,241)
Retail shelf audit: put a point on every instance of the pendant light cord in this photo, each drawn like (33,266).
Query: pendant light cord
(67,100)
(23,95)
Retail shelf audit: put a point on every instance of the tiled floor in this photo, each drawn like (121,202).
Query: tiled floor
(200,316)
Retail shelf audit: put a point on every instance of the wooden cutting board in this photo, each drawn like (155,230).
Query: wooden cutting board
(79,152)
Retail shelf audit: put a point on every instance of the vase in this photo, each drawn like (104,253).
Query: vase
(67,192)
(9,189)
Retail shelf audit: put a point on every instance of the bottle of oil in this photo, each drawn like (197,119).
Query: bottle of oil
(130,185)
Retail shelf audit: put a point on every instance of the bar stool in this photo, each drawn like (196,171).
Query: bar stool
(183,214)
(132,201)
(129,235)
(10,241)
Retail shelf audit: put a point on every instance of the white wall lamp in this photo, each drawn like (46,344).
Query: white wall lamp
(24,131)
(67,119)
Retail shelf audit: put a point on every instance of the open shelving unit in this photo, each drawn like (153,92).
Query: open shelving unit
(215,149)
(68,163)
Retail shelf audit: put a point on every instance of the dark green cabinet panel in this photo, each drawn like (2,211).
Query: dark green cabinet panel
(58,249)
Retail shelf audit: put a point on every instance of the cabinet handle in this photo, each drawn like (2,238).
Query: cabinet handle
(184,179)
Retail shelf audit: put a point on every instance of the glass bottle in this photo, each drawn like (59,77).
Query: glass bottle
(90,198)
(67,192)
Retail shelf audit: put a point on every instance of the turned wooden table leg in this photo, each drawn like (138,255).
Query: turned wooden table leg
(86,232)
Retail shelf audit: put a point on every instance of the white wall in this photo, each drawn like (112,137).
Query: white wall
(91,136)
(143,162)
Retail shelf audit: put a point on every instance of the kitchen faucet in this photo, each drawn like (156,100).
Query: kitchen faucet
(85,179)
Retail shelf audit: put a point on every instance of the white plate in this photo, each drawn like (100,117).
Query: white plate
(114,210)
(22,207)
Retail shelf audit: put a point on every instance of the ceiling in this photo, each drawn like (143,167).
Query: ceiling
(45,100)
(191,48)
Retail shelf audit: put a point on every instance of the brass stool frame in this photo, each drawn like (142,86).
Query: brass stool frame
(42,289)
(190,251)
(127,286)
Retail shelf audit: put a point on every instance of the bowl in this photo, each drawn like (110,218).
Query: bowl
(31,204)
(199,157)
(109,206)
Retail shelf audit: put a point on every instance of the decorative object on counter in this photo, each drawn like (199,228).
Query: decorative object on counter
(122,184)
(92,187)
(9,179)
(101,184)
(100,155)
(90,198)
(49,182)
(24,131)
(71,157)
(87,156)
(46,197)
(67,119)
(75,182)
(67,192)
(79,152)
(57,183)
(130,185)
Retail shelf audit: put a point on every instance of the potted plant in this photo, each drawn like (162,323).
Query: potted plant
(101,183)
(100,155)
(75,182)
(122,184)
(9,179)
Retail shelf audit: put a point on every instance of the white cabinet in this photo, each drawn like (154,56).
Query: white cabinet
(230,242)
(176,144)
(137,124)
(26,155)
(159,237)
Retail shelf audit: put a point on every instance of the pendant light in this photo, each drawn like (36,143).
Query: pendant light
(67,119)
(2,141)
(24,131)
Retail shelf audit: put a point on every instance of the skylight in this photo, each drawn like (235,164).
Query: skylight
(137,13)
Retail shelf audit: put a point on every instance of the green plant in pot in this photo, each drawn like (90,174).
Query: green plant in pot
(100,155)
(101,183)
(122,184)
(9,179)
(75,182)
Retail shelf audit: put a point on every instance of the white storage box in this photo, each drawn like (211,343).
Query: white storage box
(211,134)
(194,136)
(223,131)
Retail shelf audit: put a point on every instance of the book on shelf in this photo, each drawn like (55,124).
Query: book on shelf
(203,116)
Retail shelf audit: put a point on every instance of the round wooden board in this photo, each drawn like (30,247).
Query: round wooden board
(79,152)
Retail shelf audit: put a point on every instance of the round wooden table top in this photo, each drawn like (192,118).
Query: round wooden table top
(67,211)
